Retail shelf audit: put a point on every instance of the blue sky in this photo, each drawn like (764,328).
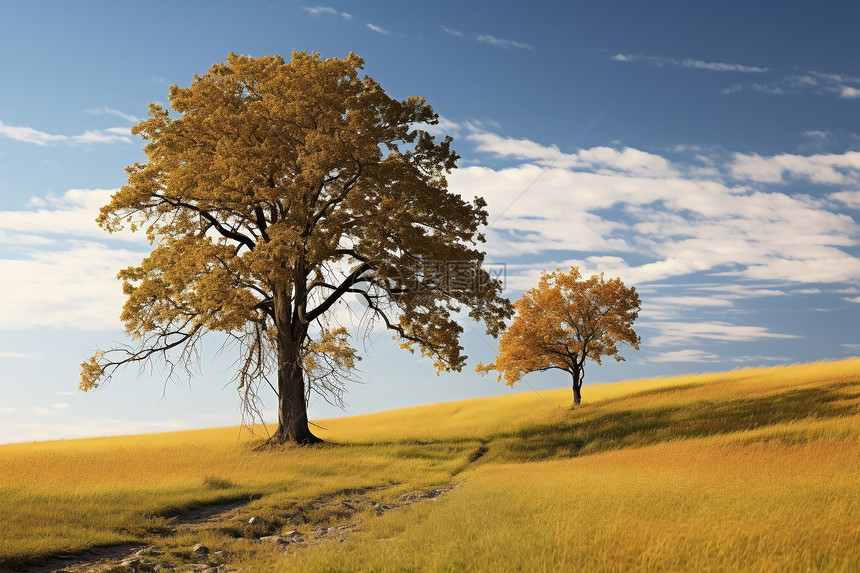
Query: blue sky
(706,153)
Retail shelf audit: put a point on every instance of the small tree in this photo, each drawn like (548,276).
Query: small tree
(280,188)
(564,321)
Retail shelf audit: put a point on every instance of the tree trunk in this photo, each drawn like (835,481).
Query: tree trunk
(292,404)
(577,387)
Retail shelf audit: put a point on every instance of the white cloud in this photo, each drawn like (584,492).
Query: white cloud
(849,92)
(15,355)
(116,112)
(376,28)
(319,10)
(826,169)
(676,333)
(600,159)
(845,87)
(83,428)
(72,213)
(441,129)
(109,135)
(71,288)
(688,63)
(628,204)
(452,32)
(690,301)
(719,66)
(30,135)
(738,290)
(68,278)
(689,355)
(502,43)
(509,147)
(850,198)
(51,410)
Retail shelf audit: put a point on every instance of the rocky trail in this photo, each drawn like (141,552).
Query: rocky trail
(328,518)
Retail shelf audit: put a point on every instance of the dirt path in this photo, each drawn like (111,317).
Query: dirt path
(321,519)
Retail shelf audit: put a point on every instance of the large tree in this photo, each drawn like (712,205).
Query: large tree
(564,321)
(275,190)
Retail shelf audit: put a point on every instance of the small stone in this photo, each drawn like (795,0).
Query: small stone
(200,549)
(134,562)
(257,521)
(275,539)
(292,533)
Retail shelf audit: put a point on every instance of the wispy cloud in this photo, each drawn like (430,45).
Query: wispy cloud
(452,32)
(90,296)
(847,87)
(773,81)
(673,333)
(112,111)
(826,169)
(850,198)
(31,135)
(376,28)
(72,247)
(61,424)
(72,213)
(320,10)
(841,85)
(503,43)
(739,225)
(673,219)
(688,63)
(688,355)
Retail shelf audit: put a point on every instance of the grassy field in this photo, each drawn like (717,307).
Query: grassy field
(751,470)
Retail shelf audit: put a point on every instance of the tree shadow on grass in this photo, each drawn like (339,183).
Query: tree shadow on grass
(607,426)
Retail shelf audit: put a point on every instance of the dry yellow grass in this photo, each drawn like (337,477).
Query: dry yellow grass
(670,507)
(745,470)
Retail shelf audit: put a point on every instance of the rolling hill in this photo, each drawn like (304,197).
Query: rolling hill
(753,470)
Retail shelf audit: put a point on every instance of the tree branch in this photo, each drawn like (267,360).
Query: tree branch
(338,292)
(224,231)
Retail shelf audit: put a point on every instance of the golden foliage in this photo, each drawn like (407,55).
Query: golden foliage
(275,189)
(564,321)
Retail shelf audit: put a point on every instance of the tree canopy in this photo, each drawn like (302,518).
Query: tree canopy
(270,192)
(564,321)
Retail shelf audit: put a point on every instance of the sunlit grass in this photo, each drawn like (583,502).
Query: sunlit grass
(745,470)
(676,506)
(58,497)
